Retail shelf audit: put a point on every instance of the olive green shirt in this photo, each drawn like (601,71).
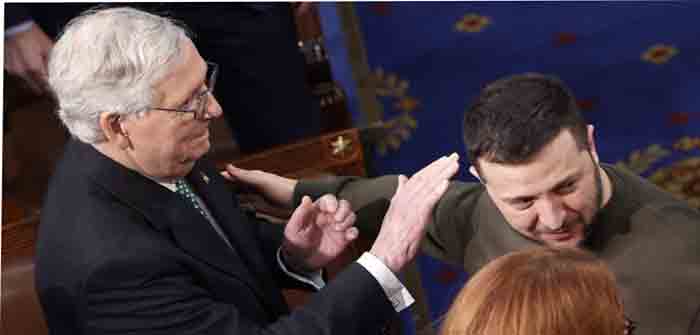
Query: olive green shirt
(649,239)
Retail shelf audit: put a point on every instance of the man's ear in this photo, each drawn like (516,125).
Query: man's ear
(591,143)
(114,130)
(474,172)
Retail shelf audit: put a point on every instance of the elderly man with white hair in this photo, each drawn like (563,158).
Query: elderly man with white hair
(140,236)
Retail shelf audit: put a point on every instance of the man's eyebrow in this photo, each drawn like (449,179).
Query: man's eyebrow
(525,198)
(568,180)
(522,198)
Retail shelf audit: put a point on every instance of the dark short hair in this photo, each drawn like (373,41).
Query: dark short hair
(514,117)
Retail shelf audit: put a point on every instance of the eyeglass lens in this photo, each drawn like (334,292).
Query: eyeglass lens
(212,70)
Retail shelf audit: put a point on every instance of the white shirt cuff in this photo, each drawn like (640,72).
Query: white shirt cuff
(314,279)
(18,28)
(395,291)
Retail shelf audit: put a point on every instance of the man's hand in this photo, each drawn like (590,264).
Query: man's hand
(275,189)
(26,56)
(411,211)
(318,232)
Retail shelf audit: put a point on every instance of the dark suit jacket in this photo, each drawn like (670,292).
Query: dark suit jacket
(118,253)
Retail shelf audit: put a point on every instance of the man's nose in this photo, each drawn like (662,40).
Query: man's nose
(551,212)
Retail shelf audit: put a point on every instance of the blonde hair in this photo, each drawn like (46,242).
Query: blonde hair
(540,291)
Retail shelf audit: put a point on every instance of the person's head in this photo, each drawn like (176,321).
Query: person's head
(539,291)
(123,78)
(535,154)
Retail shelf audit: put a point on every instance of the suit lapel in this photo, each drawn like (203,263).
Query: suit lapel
(165,210)
(236,225)
(226,210)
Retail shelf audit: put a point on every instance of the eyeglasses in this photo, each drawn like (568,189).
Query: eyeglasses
(198,103)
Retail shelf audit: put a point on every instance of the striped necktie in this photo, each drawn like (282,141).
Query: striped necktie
(184,190)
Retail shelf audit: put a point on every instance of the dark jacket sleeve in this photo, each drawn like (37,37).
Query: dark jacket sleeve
(164,301)
(270,236)
(452,228)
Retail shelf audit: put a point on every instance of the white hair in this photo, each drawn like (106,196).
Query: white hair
(108,60)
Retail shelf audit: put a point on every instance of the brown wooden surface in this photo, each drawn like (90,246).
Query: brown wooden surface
(31,145)
(20,311)
(308,158)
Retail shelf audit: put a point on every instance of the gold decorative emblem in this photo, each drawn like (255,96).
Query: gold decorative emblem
(687,143)
(205,178)
(659,53)
(472,23)
(640,160)
(680,178)
(341,146)
(396,129)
